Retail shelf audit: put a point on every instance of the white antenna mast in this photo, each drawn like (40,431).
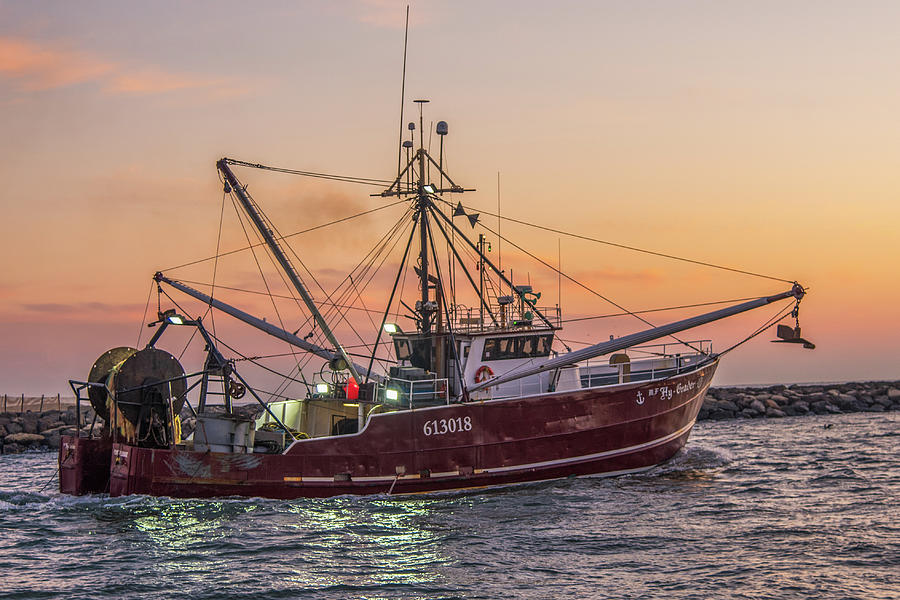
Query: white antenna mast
(403,94)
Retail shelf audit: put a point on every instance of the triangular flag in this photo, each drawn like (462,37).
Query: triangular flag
(460,211)
(473,219)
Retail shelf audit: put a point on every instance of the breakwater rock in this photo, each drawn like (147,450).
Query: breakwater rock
(777,401)
(28,431)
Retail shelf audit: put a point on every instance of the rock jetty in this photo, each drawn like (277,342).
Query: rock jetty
(23,431)
(777,401)
(36,431)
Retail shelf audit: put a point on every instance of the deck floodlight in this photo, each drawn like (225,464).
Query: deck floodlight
(391,394)
(429,189)
(171,317)
(322,388)
(392,328)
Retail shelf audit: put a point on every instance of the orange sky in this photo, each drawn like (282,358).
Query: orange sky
(756,135)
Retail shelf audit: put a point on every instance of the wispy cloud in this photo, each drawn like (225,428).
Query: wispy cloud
(383,13)
(389,14)
(157,81)
(32,67)
(80,307)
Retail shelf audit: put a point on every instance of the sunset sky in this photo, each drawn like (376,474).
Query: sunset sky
(757,135)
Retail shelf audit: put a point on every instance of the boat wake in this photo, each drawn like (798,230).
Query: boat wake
(693,462)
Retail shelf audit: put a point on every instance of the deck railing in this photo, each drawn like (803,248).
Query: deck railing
(655,361)
(469,320)
(414,393)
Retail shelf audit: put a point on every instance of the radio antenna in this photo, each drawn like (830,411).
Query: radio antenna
(402,95)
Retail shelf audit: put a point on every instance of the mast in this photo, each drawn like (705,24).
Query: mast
(430,314)
(232,182)
(423,201)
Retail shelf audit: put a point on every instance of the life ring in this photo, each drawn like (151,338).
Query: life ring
(483,373)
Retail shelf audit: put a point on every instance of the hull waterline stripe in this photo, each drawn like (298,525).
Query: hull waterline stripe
(494,486)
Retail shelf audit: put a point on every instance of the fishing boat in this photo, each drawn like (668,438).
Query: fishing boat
(471,395)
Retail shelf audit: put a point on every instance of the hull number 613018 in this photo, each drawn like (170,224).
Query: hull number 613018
(442,426)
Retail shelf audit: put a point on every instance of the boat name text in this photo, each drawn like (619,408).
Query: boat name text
(666,392)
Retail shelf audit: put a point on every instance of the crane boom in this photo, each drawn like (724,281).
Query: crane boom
(641,337)
(258,323)
(251,210)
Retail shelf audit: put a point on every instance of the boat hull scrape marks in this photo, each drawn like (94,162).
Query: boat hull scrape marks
(190,465)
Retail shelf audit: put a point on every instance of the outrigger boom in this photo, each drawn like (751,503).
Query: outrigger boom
(258,323)
(641,337)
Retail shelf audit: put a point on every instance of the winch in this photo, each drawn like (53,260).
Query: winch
(143,394)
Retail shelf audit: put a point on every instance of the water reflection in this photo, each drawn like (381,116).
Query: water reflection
(307,544)
(360,542)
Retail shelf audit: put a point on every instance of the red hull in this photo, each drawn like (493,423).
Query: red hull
(602,431)
(84,465)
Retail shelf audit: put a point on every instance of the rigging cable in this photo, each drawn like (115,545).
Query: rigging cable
(284,354)
(296,233)
(634,249)
(391,299)
(280,296)
(482,301)
(371,256)
(254,360)
(144,318)
(439,289)
(778,317)
(259,267)
(575,281)
(366,262)
(315,280)
(651,310)
(332,177)
(216,262)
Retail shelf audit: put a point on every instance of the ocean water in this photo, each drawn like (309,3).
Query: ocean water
(805,507)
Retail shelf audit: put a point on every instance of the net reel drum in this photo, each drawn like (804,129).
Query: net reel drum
(145,392)
(100,373)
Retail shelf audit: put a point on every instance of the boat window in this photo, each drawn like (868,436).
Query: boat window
(421,354)
(526,345)
(491,349)
(523,346)
(401,345)
(544,345)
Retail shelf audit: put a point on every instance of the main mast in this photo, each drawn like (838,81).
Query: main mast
(419,187)
(425,307)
